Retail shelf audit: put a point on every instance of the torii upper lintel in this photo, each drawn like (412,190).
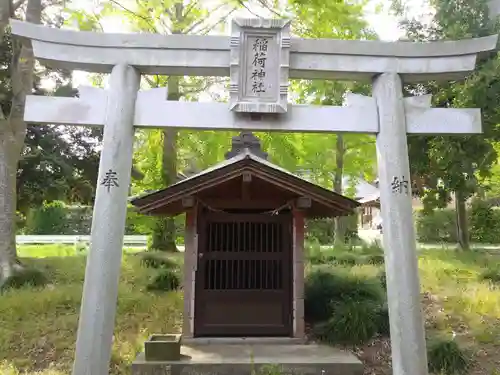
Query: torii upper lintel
(197,55)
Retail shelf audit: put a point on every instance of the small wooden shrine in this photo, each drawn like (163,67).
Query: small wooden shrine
(244,242)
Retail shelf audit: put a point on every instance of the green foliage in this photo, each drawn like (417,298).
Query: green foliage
(29,277)
(325,288)
(437,226)
(50,218)
(163,235)
(82,247)
(347,256)
(442,165)
(352,321)
(383,278)
(166,280)
(491,274)
(440,225)
(484,222)
(322,230)
(157,261)
(383,326)
(446,357)
(58,218)
(137,223)
(20,222)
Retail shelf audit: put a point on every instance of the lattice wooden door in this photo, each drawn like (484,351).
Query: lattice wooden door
(244,278)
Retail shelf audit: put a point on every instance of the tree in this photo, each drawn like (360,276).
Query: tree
(340,20)
(446,166)
(174,17)
(13,130)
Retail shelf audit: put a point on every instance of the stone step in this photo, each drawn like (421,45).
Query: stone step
(237,359)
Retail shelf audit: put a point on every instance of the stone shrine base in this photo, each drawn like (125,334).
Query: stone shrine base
(213,357)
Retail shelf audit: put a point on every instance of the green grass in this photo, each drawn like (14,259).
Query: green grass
(38,327)
(460,296)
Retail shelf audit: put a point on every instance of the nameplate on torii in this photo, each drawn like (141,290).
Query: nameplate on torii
(359,115)
(259,65)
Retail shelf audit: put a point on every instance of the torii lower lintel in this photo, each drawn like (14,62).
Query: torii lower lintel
(153,111)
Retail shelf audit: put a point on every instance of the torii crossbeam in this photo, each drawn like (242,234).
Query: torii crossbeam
(258,102)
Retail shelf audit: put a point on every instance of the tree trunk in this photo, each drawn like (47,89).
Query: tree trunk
(462,224)
(165,233)
(12,133)
(339,222)
(8,166)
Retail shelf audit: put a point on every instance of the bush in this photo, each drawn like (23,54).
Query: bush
(491,274)
(165,280)
(383,326)
(137,223)
(157,261)
(82,247)
(314,253)
(58,218)
(322,230)
(440,224)
(352,322)
(325,288)
(342,258)
(484,222)
(383,279)
(50,218)
(27,277)
(445,357)
(437,226)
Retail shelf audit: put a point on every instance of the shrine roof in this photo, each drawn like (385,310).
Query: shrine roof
(222,180)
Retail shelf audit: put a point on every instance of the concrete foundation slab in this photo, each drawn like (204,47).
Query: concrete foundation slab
(248,359)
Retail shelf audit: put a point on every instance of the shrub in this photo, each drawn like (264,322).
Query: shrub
(491,274)
(50,218)
(383,326)
(440,224)
(324,288)
(322,230)
(437,226)
(58,218)
(82,247)
(375,259)
(165,280)
(344,258)
(446,357)
(157,261)
(383,279)
(484,222)
(26,277)
(352,322)
(137,223)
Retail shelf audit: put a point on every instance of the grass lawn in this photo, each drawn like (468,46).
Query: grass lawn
(38,327)
(458,302)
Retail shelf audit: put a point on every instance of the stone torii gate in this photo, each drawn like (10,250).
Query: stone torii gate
(259,57)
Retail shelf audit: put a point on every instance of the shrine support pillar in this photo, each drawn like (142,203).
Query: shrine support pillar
(100,289)
(409,356)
